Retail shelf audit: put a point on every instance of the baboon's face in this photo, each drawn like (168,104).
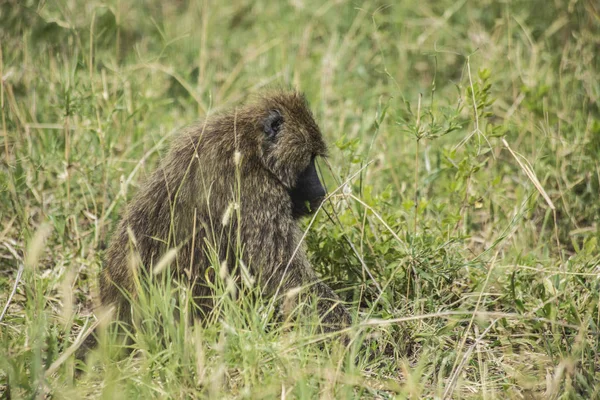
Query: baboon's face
(292,141)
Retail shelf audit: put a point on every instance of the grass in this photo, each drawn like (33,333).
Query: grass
(466,243)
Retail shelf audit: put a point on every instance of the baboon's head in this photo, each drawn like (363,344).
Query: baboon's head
(291,140)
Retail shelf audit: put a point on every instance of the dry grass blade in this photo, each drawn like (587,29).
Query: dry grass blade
(34,250)
(84,333)
(13,291)
(531,175)
(457,371)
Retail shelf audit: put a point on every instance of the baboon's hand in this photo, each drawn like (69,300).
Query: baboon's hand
(334,316)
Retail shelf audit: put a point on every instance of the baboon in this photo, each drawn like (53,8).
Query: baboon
(238,180)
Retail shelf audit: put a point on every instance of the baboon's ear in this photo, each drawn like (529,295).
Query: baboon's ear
(272,124)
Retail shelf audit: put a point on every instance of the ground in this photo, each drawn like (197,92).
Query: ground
(462,230)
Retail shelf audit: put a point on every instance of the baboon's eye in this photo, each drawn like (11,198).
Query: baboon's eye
(273,123)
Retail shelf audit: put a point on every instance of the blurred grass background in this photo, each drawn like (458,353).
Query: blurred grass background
(467,246)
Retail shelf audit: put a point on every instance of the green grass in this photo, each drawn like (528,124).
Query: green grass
(466,246)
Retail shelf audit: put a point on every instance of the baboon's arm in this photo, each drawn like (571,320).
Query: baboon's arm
(279,260)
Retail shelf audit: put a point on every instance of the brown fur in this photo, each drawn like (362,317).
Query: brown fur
(198,178)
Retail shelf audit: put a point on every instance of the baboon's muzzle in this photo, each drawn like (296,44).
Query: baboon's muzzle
(308,194)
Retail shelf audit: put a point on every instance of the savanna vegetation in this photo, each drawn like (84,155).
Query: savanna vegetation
(462,228)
